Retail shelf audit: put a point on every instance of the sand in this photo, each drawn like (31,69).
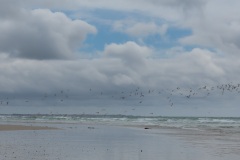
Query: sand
(23,127)
(104,142)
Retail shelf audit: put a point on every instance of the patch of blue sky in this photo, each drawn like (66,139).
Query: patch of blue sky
(103,19)
(170,39)
(110,14)
(104,36)
(174,33)
(96,15)
(97,42)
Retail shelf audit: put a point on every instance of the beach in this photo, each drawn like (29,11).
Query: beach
(58,141)
(23,127)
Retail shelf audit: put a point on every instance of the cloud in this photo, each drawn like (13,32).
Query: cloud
(156,7)
(140,29)
(52,35)
(120,66)
(215,29)
(207,19)
(42,34)
(211,27)
(37,46)
(130,53)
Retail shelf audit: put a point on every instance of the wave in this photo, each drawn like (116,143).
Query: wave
(178,122)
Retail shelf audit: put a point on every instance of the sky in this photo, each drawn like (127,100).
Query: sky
(155,57)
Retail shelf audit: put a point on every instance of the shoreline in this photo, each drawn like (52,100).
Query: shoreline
(10,127)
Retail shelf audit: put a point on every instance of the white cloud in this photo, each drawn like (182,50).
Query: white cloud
(42,34)
(217,27)
(56,35)
(215,23)
(168,9)
(130,53)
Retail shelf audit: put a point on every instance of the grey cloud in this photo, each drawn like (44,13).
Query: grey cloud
(176,3)
(112,73)
(108,73)
(42,34)
(9,8)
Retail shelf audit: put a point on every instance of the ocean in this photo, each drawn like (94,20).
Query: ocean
(201,123)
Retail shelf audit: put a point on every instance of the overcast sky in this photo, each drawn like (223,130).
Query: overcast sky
(125,57)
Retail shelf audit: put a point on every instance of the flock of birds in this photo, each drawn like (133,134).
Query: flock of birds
(139,95)
(170,94)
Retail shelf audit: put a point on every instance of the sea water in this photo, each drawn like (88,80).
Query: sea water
(201,123)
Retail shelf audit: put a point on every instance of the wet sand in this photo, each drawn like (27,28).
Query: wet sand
(104,142)
(6,127)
